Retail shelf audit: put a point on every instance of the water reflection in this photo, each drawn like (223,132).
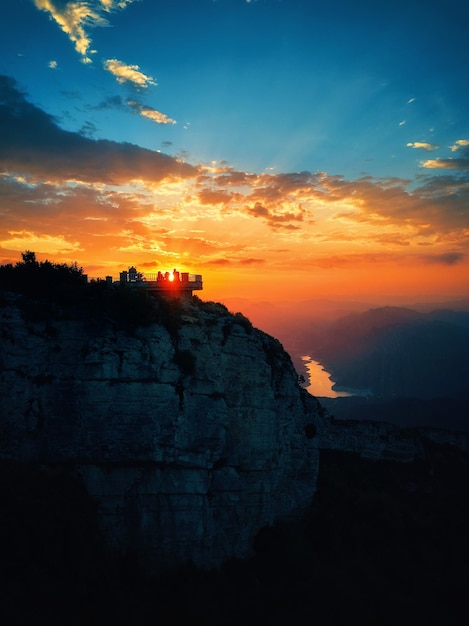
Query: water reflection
(320,383)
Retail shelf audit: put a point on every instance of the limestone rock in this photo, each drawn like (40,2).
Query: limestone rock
(189,440)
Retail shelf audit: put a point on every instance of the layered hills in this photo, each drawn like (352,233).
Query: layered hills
(394,351)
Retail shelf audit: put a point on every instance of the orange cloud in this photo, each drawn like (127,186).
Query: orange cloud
(276,219)
(108,205)
(55,244)
(208,196)
(446,258)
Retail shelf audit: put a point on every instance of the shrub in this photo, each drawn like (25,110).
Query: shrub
(61,283)
(54,291)
(169,311)
(243,321)
(226,332)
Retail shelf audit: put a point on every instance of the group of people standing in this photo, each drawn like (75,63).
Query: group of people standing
(167,276)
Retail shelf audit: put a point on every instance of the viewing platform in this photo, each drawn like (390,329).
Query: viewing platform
(174,283)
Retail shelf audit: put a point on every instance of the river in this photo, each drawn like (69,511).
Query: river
(320,383)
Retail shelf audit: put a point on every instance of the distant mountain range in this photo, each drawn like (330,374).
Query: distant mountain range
(396,351)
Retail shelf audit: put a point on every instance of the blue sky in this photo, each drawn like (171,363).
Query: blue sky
(263,136)
(341,86)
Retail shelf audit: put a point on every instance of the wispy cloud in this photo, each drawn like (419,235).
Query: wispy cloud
(461,162)
(116,102)
(422,145)
(128,73)
(76,18)
(446,258)
(55,244)
(150,113)
(209,196)
(276,219)
(112,102)
(460,143)
(446,164)
(112,5)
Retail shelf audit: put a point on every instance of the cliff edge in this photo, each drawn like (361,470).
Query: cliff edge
(189,435)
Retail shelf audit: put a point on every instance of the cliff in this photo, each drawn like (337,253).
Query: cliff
(170,433)
(187,427)
(189,436)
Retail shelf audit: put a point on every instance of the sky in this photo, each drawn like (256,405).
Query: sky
(287,150)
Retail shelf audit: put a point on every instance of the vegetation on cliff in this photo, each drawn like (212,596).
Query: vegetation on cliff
(42,279)
(57,291)
(61,291)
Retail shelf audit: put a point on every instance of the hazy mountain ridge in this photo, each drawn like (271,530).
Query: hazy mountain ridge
(383,543)
(395,351)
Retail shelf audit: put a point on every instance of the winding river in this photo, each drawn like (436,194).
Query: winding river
(320,383)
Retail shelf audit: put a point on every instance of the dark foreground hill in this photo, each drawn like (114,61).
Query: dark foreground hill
(383,543)
(439,412)
(160,462)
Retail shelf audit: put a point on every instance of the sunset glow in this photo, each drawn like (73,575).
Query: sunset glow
(255,143)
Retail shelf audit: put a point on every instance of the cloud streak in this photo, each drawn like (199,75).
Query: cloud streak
(75,19)
(446,164)
(451,163)
(460,143)
(128,74)
(421,145)
(149,113)
(447,258)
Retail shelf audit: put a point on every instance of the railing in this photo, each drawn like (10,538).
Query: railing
(192,278)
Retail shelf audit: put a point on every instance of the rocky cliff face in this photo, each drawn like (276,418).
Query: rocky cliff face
(189,439)
(189,436)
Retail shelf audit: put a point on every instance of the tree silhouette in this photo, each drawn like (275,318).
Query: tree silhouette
(29,257)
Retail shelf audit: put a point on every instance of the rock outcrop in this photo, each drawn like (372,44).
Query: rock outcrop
(382,441)
(189,439)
